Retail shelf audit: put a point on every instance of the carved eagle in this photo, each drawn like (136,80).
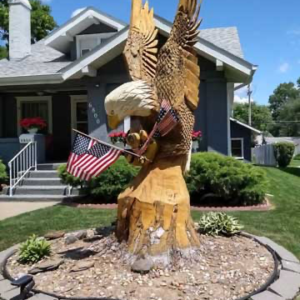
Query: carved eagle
(173,75)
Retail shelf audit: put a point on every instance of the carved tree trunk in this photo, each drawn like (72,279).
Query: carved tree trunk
(154,212)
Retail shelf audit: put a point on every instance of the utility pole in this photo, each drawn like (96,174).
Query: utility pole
(249,93)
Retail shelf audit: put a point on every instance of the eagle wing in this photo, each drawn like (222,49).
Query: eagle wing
(178,72)
(141,47)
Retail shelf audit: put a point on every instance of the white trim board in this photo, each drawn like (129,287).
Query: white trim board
(47,99)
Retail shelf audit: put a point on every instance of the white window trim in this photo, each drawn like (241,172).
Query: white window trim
(83,37)
(242,143)
(74,100)
(47,99)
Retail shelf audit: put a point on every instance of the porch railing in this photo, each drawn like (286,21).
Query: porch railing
(21,165)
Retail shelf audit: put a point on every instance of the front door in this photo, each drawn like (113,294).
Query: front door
(79,118)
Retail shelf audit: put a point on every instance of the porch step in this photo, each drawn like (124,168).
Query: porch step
(38,198)
(42,182)
(43,174)
(48,167)
(41,190)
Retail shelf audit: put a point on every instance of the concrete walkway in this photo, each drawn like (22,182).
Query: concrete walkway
(12,209)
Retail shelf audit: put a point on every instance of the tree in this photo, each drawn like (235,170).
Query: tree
(281,95)
(41,21)
(3,52)
(261,115)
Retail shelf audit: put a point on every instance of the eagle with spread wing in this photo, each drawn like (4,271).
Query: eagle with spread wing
(158,197)
(173,75)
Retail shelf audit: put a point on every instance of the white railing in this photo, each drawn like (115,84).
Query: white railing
(21,165)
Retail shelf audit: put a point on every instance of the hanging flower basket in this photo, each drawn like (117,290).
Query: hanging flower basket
(118,138)
(196,138)
(33,125)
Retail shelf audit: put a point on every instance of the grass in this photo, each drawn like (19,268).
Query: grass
(281,224)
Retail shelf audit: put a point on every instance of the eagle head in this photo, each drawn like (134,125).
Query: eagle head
(136,98)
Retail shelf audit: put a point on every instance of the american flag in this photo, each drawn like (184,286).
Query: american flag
(167,120)
(95,161)
(80,146)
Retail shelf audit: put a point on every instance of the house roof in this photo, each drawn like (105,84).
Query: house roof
(49,65)
(246,126)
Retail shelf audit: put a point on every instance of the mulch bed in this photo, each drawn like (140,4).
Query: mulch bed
(223,268)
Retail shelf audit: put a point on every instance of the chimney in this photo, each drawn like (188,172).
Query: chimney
(19,29)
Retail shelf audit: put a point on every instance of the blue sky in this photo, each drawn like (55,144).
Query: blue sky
(269,32)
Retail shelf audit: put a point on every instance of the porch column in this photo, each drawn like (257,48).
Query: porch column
(96,112)
(218,126)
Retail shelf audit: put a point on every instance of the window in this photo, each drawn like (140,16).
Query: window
(237,147)
(79,114)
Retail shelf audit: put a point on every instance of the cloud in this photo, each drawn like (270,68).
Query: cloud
(294,32)
(241,96)
(284,67)
(77,11)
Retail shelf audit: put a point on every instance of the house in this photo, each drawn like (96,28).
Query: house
(65,77)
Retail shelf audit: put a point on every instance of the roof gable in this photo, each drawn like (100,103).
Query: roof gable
(61,38)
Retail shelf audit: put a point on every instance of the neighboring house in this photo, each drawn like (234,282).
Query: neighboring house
(65,77)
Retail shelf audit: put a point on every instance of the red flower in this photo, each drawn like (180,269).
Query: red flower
(33,123)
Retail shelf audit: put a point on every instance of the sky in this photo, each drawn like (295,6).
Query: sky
(269,31)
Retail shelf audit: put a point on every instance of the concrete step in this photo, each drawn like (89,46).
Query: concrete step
(42,182)
(37,198)
(48,166)
(41,190)
(43,174)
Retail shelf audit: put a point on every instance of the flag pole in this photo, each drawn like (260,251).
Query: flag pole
(109,145)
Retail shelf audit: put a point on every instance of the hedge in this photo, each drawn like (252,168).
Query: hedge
(234,182)
(284,152)
(3,174)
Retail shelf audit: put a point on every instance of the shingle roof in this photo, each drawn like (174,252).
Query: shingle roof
(45,60)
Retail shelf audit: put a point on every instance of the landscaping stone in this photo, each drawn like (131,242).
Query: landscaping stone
(291,266)
(71,239)
(46,266)
(82,266)
(80,235)
(282,252)
(143,265)
(287,285)
(267,296)
(42,297)
(53,235)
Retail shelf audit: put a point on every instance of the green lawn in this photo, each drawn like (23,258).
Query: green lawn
(281,224)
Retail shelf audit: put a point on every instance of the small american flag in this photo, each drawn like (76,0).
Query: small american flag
(81,144)
(167,120)
(95,161)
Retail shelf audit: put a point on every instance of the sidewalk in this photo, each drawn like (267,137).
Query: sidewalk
(12,209)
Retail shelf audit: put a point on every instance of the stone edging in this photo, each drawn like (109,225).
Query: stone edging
(286,287)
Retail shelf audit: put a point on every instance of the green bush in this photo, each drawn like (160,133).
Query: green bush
(33,250)
(235,182)
(219,224)
(284,152)
(297,157)
(3,174)
(106,186)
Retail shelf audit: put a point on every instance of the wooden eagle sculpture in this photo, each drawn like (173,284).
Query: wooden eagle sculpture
(154,212)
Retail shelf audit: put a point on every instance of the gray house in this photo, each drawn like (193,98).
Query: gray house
(65,77)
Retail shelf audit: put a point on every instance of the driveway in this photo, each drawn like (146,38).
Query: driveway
(12,209)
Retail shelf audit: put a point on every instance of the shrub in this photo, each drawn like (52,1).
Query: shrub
(3,174)
(114,180)
(297,157)
(33,250)
(284,153)
(219,224)
(235,182)
(109,184)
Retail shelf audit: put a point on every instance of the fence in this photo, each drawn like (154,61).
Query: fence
(264,155)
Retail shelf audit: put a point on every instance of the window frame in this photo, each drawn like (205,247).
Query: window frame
(74,100)
(47,99)
(242,148)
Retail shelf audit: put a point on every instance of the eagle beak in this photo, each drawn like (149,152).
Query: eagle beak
(113,122)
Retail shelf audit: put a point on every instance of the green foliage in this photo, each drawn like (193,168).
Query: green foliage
(261,115)
(284,153)
(109,184)
(41,20)
(33,250)
(235,182)
(219,224)
(3,174)
(114,180)
(297,157)
(3,52)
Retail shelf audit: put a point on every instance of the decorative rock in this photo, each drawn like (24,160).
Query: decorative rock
(142,265)
(70,239)
(54,235)
(291,266)
(46,266)
(82,266)
(80,235)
